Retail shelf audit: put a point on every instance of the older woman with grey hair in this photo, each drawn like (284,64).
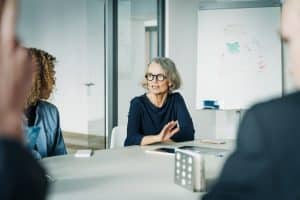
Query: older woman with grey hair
(159,115)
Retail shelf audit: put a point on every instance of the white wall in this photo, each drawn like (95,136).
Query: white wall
(289,84)
(72,31)
(182,48)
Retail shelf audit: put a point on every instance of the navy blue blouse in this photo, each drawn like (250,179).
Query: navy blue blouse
(145,118)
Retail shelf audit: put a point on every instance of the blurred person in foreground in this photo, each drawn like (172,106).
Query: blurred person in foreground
(21,177)
(266,163)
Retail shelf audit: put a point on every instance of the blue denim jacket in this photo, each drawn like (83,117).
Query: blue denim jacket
(49,141)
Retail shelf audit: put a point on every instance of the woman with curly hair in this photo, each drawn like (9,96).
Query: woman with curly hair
(45,137)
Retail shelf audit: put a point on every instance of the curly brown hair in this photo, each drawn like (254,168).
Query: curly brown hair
(44,80)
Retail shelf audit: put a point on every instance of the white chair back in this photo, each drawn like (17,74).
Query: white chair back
(118,136)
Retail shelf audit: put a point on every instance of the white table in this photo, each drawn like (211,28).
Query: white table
(125,173)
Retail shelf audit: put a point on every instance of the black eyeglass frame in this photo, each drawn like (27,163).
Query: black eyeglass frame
(158,77)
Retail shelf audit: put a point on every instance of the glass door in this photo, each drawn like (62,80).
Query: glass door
(137,44)
(73,32)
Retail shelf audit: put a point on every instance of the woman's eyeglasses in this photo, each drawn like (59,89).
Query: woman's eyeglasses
(159,77)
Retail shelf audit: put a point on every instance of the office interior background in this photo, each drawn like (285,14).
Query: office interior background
(103,47)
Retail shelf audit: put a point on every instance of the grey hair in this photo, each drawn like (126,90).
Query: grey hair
(169,68)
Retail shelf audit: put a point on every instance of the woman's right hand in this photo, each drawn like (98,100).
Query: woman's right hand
(168,131)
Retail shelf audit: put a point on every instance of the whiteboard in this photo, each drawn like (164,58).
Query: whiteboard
(239,56)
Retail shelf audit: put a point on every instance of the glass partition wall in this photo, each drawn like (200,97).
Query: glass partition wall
(73,32)
(102,48)
(137,44)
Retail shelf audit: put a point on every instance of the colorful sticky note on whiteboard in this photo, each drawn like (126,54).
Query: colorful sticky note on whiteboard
(233,47)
